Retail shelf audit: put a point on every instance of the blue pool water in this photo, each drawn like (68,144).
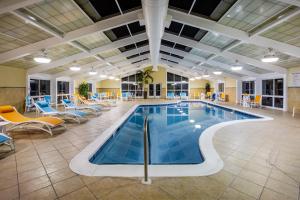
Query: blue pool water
(174,132)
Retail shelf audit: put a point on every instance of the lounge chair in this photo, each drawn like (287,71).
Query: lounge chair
(256,102)
(183,96)
(5,139)
(69,105)
(170,95)
(11,115)
(45,109)
(222,97)
(28,103)
(83,100)
(105,103)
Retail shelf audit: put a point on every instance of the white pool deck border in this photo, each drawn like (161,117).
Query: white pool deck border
(80,164)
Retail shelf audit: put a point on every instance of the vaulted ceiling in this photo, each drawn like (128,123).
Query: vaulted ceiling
(200,36)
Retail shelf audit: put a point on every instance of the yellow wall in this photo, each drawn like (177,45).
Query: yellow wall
(293,92)
(12,77)
(230,90)
(108,84)
(12,87)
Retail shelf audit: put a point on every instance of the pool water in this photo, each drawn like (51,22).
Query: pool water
(174,132)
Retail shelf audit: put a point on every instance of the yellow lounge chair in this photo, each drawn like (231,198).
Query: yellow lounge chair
(256,101)
(222,97)
(11,115)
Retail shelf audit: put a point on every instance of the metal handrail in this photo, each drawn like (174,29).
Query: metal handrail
(146,179)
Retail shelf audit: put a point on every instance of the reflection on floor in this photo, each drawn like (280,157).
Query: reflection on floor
(262,161)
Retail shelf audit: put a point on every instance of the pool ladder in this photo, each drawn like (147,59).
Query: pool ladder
(146,179)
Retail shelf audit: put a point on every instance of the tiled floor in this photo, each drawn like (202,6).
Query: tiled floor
(262,161)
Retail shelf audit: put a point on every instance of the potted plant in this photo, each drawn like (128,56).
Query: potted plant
(144,78)
(84,89)
(207,88)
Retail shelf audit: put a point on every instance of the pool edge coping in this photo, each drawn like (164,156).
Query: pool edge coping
(212,162)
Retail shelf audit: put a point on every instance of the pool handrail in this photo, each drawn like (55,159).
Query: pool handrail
(146,180)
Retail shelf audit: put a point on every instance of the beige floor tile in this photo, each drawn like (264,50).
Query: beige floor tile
(67,186)
(282,177)
(223,177)
(46,193)
(31,174)
(34,184)
(145,192)
(9,193)
(232,194)
(268,194)
(7,182)
(52,167)
(82,194)
(247,187)
(61,175)
(102,187)
(280,187)
(253,176)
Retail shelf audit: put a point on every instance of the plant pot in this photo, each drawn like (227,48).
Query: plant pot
(145,94)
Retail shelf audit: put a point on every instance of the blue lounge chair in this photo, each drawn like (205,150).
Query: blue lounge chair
(28,103)
(68,104)
(45,108)
(5,139)
(183,95)
(170,95)
(47,98)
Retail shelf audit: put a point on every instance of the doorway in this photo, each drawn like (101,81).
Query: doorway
(154,90)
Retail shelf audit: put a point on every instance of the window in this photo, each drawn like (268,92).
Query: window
(63,87)
(221,87)
(62,90)
(272,93)
(39,87)
(130,84)
(90,87)
(177,84)
(248,87)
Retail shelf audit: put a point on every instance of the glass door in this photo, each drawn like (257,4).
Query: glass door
(154,90)
(157,90)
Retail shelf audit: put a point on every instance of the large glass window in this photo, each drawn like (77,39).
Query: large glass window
(272,93)
(39,87)
(177,84)
(130,84)
(221,87)
(90,87)
(248,87)
(63,90)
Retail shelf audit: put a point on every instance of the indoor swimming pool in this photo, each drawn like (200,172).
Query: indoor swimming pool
(174,131)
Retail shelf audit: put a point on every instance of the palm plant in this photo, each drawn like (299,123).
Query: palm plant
(84,89)
(144,77)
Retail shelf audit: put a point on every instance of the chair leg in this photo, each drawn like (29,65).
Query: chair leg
(294,111)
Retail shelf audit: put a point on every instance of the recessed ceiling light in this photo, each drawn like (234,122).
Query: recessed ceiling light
(111,77)
(205,76)
(103,76)
(270,57)
(75,68)
(192,79)
(198,77)
(93,72)
(217,73)
(42,58)
(236,68)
